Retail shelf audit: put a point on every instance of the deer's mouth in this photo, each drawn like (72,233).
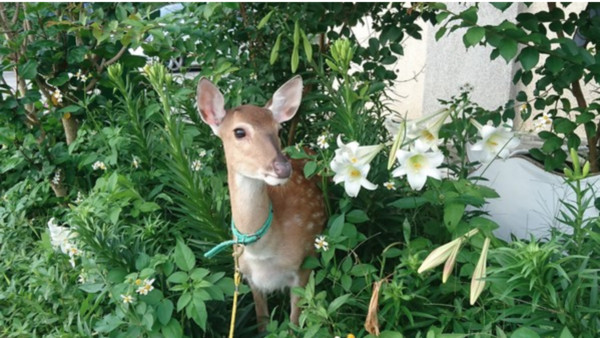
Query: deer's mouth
(272,179)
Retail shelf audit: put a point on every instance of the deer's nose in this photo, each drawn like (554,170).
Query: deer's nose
(282,168)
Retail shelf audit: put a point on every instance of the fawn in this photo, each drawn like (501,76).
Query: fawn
(264,184)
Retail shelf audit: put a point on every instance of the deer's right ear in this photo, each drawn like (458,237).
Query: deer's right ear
(211,104)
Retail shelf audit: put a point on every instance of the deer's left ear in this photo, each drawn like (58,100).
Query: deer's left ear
(286,100)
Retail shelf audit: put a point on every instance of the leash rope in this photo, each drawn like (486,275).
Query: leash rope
(237,279)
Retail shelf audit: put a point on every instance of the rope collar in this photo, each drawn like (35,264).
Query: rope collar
(241,238)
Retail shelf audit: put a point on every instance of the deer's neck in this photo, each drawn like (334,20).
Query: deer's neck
(249,203)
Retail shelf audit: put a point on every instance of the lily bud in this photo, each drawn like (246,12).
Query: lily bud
(586,169)
(477,281)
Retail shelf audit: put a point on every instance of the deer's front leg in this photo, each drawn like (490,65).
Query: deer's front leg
(261,307)
(303,276)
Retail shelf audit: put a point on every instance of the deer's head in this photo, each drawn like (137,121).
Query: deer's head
(250,134)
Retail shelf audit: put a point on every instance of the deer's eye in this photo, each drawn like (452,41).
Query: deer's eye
(239,133)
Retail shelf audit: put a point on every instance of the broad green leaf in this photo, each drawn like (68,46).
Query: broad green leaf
(554,64)
(92,287)
(337,303)
(310,168)
(28,70)
(337,226)
(183,301)
(107,324)
(184,257)
(178,277)
(173,329)
(501,5)
(508,49)
(357,216)
(453,212)
(164,311)
(529,58)
(473,36)
(524,332)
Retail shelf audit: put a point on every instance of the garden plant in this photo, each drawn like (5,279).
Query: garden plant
(112,188)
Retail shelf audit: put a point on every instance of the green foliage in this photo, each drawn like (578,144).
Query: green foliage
(566,39)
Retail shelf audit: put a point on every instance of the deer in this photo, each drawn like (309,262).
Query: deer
(265,186)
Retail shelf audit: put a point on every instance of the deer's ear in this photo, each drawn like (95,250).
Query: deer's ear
(211,104)
(286,100)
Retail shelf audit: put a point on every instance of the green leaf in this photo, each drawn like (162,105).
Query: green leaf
(440,33)
(92,287)
(529,58)
(453,212)
(107,324)
(565,333)
(310,168)
(508,49)
(76,55)
(357,216)
(473,36)
(275,50)
(184,257)
(69,109)
(28,70)
(173,329)
(524,332)
(554,64)
(337,303)
(183,301)
(178,277)
(164,311)
(563,125)
(469,15)
(265,19)
(409,202)
(337,226)
(501,5)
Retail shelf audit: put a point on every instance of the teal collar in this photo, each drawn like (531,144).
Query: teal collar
(241,238)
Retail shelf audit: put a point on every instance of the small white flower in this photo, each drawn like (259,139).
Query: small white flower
(96,91)
(57,96)
(135,162)
(418,164)
(495,141)
(79,197)
(202,153)
(322,141)
(321,243)
(57,177)
(82,277)
(390,185)
(147,287)
(99,165)
(72,261)
(196,165)
(127,299)
(543,122)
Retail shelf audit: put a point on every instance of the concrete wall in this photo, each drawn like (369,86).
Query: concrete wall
(432,70)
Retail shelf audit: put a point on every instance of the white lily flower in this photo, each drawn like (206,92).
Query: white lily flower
(351,166)
(427,129)
(418,164)
(495,141)
(355,153)
(60,237)
(353,176)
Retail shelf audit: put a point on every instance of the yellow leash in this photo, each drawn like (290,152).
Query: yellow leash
(237,279)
